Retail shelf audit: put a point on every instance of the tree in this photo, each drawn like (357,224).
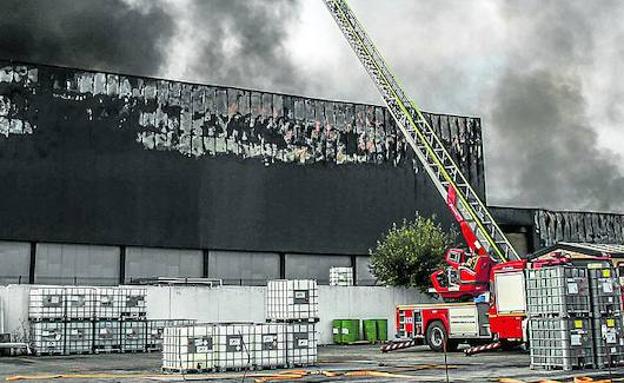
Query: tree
(408,253)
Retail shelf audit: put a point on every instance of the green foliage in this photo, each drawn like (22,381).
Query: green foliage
(408,253)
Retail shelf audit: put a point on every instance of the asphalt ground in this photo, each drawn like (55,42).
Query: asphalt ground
(361,363)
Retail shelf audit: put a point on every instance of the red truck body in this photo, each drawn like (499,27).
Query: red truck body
(498,317)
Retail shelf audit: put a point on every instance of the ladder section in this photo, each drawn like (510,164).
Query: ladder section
(421,137)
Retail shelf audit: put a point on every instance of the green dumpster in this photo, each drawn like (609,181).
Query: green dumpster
(336,331)
(370,330)
(375,330)
(345,331)
(350,331)
(382,330)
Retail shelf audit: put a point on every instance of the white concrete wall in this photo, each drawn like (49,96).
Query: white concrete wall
(238,304)
(220,304)
(14,310)
(362,302)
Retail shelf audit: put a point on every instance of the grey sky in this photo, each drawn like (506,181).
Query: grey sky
(543,74)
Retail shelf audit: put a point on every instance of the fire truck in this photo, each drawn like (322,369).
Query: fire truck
(483,286)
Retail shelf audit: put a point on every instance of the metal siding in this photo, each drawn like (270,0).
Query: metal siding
(14,262)
(589,227)
(141,164)
(76,264)
(311,266)
(363,275)
(150,262)
(236,267)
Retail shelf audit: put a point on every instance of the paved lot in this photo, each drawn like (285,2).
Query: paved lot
(414,365)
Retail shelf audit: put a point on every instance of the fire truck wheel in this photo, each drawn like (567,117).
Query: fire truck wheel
(436,336)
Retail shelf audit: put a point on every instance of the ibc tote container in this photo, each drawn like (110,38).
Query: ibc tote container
(79,303)
(301,344)
(558,291)
(605,291)
(291,300)
(341,276)
(565,343)
(133,335)
(189,348)
(609,341)
(46,303)
(48,338)
(78,337)
(107,303)
(132,302)
(156,330)
(269,345)
(233,345)
(107,336)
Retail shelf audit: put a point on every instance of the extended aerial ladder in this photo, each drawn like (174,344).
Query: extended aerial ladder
(484,237)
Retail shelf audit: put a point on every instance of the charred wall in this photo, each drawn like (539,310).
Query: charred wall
(104,158)
(578,227)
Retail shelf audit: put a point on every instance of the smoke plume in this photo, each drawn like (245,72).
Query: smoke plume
(239,43)
(543,75)
(113,35)
(545,147)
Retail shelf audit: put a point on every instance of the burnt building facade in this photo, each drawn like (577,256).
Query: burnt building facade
(108,177)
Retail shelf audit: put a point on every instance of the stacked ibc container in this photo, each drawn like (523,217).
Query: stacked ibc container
(607,315)
(132,313)
(61,320)
(288,338)
(46,312)
(295,304)
(79,320)
(560,326)
(120,324)
(107,323)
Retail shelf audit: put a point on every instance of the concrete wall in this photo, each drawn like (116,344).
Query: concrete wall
(14,310)
(236,303)
(246,303)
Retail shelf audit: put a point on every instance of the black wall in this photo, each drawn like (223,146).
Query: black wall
(82,167)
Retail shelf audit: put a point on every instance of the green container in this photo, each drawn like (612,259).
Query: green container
(336,331)
(345,331)
(370,330)
(382,330)
(350,331)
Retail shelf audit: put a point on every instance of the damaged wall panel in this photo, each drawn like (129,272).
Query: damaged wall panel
(108,158)
(581,227)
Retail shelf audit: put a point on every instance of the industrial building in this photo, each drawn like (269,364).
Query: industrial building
(108,177)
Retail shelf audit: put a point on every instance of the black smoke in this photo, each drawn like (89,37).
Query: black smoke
(242,43)
(96,34)
(544,143)
(547,144)
(541,139)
